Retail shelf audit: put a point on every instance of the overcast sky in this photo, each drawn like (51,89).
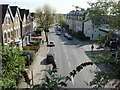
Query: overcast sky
(61,6)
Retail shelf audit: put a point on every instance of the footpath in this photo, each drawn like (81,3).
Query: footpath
(36,67)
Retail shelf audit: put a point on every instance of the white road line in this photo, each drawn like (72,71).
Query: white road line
(66,56)
(69,65)
(65,50)
(71,69)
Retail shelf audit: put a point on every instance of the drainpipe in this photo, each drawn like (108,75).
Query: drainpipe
(1,32)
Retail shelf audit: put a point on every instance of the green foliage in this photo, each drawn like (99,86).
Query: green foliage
(12,64)
(45,16)
(111,70)
(62,22)
(51,80)
(105,37)
(105,12)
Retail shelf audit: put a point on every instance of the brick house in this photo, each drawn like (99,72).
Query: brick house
(17,28)
(6,27)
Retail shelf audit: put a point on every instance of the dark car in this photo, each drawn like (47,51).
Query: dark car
(50,59)
(69,37)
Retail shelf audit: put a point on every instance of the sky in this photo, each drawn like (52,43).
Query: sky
(61,6)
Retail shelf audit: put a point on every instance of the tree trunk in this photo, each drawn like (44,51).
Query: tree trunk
(46,35)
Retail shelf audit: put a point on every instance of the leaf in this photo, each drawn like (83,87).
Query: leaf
(47,79)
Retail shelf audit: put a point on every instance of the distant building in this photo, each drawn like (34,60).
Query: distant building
(75,20)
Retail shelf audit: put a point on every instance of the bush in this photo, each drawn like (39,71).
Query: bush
(12,64)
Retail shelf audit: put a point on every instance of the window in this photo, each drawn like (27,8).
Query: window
(17,32)
(5,37)
(7,20)
(92,35)
(9,34)
(16,19)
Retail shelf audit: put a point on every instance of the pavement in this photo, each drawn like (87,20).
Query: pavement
(36,67)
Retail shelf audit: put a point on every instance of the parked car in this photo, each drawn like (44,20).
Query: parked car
(58,33)
(65,34)
(69,37)
(50,59)
(51,43)
(59,28)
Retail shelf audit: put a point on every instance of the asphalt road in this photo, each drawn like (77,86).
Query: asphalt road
(68,56)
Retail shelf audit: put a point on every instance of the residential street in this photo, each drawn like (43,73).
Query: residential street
(62,44)
(68,56)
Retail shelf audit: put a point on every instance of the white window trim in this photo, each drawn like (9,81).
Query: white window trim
(7,16)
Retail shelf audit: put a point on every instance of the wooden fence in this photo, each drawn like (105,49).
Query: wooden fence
(30,47)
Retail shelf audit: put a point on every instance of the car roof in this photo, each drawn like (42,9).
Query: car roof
(49,54)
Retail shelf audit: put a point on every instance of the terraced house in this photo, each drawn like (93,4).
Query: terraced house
(6,26)
(16,26)
(26,26)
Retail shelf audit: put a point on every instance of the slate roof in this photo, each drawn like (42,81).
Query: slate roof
(22,12)
(13,9)
(27,13)
(4,10)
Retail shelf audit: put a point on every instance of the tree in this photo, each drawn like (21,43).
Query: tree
(62,22)
(45,17)
(106,12)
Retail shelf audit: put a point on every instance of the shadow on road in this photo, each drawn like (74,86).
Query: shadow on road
(44,62)
(91,54)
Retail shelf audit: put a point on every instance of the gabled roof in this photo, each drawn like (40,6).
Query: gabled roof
(22,12)
(14,10)
(4,10)
(5,7)
(27,13)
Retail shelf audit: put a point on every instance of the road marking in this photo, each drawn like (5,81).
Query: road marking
(65,50)
(70,70)
(66,56)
